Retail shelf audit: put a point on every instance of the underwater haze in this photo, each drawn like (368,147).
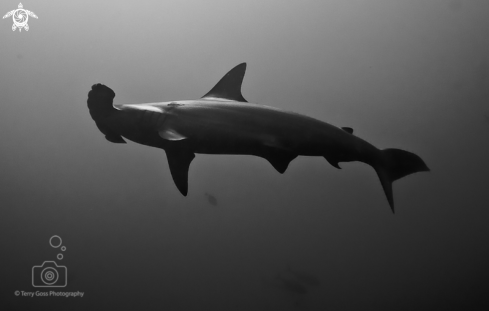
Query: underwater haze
(407,74)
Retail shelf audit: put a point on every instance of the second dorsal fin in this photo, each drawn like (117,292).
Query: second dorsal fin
(229,87)
(347,129)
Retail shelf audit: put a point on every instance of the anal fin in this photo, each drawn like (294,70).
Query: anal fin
(179,162)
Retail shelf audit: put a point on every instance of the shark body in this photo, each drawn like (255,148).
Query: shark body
(223,122)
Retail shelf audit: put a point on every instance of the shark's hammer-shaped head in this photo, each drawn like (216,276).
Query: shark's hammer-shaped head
(100,104)
(100,101)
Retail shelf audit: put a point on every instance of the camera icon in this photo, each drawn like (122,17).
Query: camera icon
(49,274)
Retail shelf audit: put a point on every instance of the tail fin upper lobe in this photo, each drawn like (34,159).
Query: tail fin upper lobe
(396,164)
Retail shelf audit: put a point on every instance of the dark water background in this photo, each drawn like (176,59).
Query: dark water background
(404,74)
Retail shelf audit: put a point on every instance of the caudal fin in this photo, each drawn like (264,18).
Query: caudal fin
(396,164)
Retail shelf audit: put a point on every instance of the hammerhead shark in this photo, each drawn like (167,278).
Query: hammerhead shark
(223,122)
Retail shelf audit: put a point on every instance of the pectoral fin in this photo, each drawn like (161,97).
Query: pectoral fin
(170,134)
(179,161)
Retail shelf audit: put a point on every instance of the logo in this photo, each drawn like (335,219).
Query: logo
(20,17)
(50,274)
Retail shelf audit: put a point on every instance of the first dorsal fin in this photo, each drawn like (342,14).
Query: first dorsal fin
(229,87)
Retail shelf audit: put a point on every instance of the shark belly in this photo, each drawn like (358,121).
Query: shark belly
(138,126)
(215,128)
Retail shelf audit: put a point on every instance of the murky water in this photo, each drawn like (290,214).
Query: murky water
(402,74)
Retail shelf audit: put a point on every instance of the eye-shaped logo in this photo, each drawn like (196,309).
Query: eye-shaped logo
(20,17)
